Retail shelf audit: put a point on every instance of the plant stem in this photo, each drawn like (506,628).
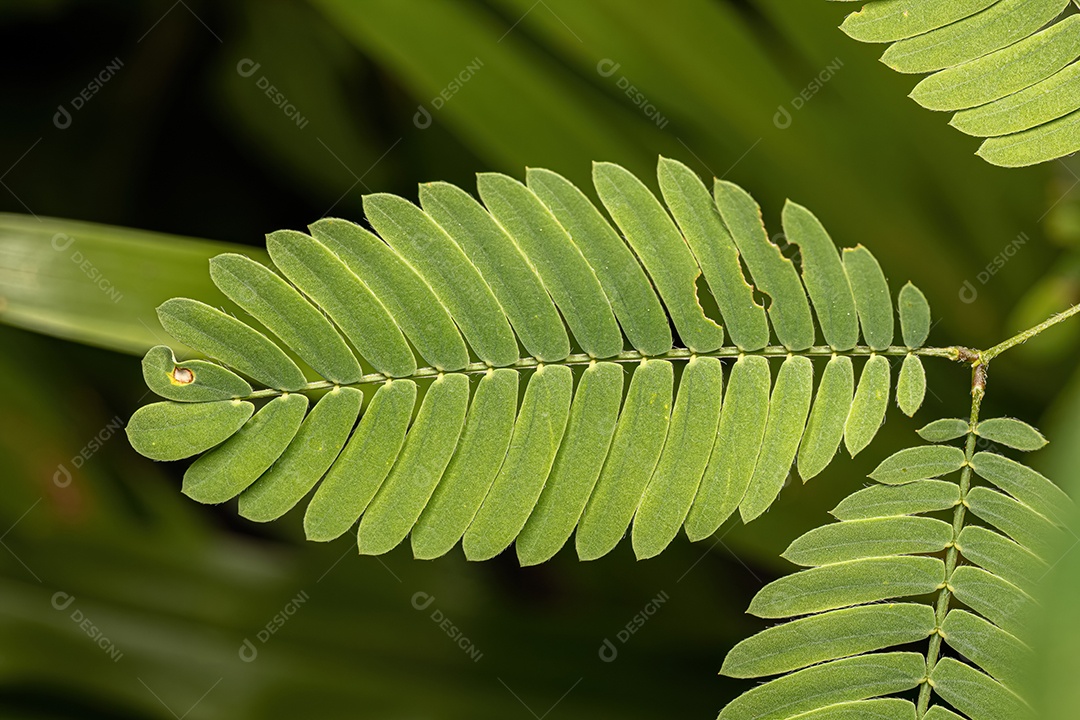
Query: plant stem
(988,355)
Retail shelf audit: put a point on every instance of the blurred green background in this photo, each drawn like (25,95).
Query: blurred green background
(120,598)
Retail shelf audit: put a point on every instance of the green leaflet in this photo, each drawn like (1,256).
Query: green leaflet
(1002,73)
(589,432)
(825,427)
(213,333)
(628,289)
(691,435)
(788,410)
(455,280)
(481,451)
(324,278)
(1055,139)
(997,652)
(848,583)
(1024,484)
(872,298)
(774,274)
(537,434)
(819,638)
(716,254)
(911,385)
(921,496)
(938,712)
(914,316)
(278,306)
(840,681)
(891,20)
(738,443)
(191,381)
(1001,25)
(364,463)
(410,300)
(1000,602)
(944,430)
(635,451)
(975,694)
(567,276)
(876,537)
(312,452)
(1054,97)
(877,709)
(173,431)
(1011,433)
(868,408)
(919,463)
(225,471)
(1016,520)
(513,281)
(427,451)
(651,233)
(1001,556)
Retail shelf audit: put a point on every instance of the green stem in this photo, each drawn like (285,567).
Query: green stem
(988,355)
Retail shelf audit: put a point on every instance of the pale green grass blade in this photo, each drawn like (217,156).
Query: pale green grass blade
(690,440)
(224,472)
(1011,433)
(513,281)
(868,408)
(1048,100)
(840,681)
(876,537)
(537,434)
(285,312)
(824,277)
(632,296)
(362,466)
(922,496)
(313,450)
(324,278)
(635,451)
(410,301)
(856,582)
(1018,521)
(997,600)
(997,652)
(589,433)
(1002,557)
(830,636)
(173,431)
(1026,485)
(698,218)
(1004,72)
(944,430)
(877,709)
(975,694)
(223,337)
(914,316)
(454,279)
(652,234)
(825,426)
(911,385)
(479,455)
(191,381)
(892,20)
(1002,24)
(919,463)
(872,298)
(788,411)
(743,420)
(427,451)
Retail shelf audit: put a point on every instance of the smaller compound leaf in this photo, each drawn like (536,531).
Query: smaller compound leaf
(217,335)
(880,22)
(1001,556)
(997,600)
(872,298)
(191,381)
(976,694)
(876,537)
(829,636)
(919,463)
(1011,432)
(855,582)
(921,496)
(944,430)
(825,426)
(911,385)
(173,431)
(1016,520)
(870,404)
(999,653)
(1026,485)
(914,316)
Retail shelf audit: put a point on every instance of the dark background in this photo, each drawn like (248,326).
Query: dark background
(767,93)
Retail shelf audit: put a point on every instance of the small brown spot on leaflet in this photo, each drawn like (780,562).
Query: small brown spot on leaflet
(182,376)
